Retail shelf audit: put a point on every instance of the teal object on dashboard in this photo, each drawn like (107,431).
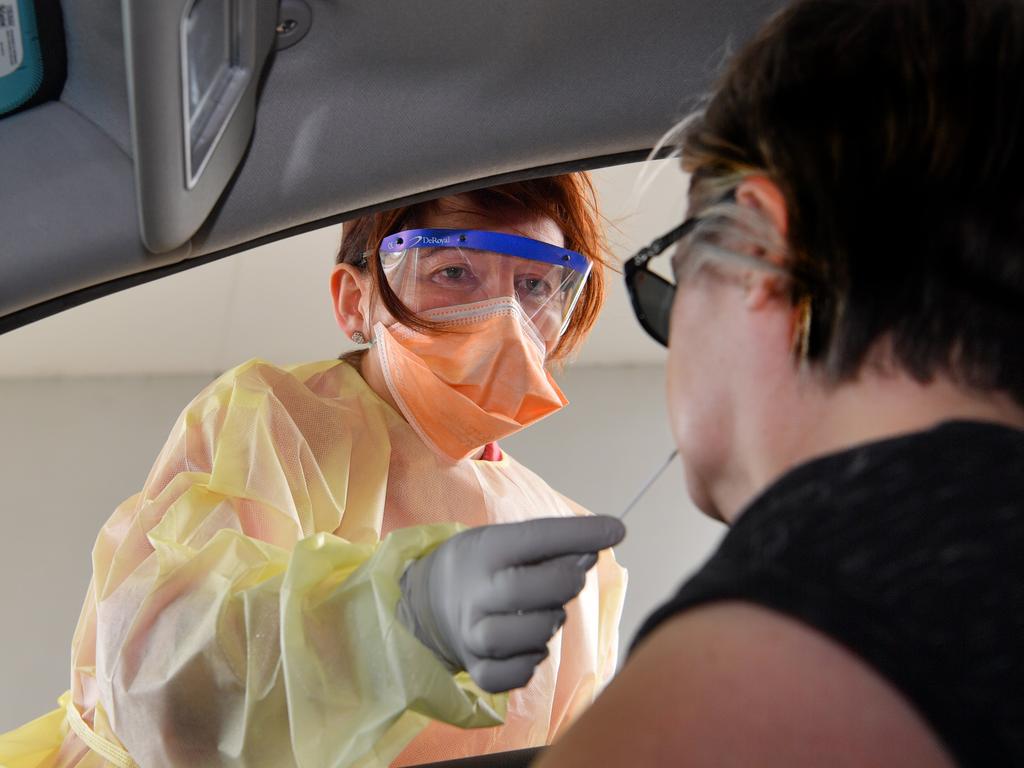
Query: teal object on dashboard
(32,59)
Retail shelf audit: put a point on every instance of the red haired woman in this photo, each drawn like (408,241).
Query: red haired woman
(293,585)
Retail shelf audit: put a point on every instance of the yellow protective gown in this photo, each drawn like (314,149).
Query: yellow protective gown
(242,606)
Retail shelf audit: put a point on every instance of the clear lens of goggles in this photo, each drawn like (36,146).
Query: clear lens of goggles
(438,268)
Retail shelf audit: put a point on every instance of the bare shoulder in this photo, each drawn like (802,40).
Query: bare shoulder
(736,684)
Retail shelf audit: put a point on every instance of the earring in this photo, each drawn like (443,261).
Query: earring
(802,332)
(358,337)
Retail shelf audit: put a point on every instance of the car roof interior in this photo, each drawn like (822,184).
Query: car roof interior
(364,106)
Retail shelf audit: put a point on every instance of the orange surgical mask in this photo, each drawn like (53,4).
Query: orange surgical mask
(481,379)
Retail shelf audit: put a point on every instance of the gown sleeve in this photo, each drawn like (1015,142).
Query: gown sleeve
(242,610)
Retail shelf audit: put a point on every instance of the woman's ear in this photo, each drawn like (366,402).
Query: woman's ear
(763,194)
(765,197)
(350,295)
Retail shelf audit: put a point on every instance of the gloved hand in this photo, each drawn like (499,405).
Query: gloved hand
(489,599)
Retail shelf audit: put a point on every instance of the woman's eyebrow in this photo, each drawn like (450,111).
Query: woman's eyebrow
(432,252)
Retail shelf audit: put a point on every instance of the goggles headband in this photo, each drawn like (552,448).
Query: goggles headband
(483,240)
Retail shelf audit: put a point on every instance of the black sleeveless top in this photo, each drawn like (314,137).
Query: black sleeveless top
(910,553)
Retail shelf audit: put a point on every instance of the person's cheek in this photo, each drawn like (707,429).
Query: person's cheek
(675,369)
(691,396)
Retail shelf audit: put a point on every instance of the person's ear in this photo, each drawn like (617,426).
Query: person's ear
(764,196)
(350,288)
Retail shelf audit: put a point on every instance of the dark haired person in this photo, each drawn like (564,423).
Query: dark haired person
(293,587)
(846,388)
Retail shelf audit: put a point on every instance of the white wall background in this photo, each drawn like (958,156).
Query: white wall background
(87,398)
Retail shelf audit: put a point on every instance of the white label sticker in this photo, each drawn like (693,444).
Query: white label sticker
(10,38)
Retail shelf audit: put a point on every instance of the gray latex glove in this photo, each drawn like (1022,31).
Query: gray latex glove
(489,599)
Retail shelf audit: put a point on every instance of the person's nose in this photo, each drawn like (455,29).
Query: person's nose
(502,281)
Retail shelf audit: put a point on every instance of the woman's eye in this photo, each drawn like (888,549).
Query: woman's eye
(535,286)
(454,275)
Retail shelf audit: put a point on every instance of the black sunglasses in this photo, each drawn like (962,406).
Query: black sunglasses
(651,294)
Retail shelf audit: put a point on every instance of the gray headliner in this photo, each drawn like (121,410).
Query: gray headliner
(381,101)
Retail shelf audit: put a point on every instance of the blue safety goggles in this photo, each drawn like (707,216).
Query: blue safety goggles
(438,268)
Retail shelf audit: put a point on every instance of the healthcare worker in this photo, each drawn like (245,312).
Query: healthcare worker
(291,586)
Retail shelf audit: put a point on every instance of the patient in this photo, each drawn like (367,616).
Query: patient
(846,387)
